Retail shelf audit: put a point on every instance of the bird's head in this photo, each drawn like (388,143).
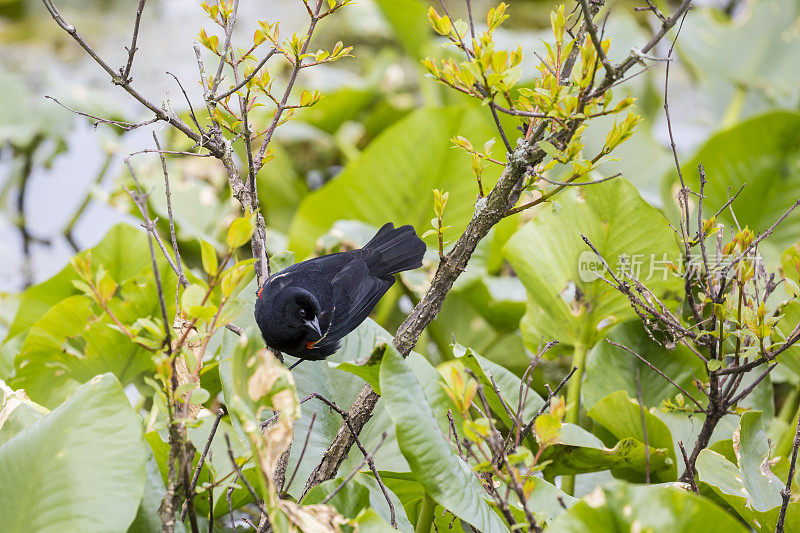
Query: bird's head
(301,311)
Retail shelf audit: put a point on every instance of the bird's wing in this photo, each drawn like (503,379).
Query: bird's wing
(355,294)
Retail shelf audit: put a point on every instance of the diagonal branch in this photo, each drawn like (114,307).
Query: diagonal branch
(659,372)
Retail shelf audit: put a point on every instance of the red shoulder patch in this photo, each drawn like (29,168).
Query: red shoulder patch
(258,294)
(311,345)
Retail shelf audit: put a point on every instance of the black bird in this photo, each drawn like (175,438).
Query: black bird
(307,308)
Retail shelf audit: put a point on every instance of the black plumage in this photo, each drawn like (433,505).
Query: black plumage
(306,309)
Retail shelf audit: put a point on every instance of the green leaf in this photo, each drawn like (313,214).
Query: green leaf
(719,58)
(68,346)
(655,509)
(16,412)
(209,257)
(147,519)
(280,187)
(240,231)
(123,252)
(500,300)
(549,149)
(507,382)
(446,478)
(368,370)
(369,521)
(94,433)
(566,301)
(361,493)
(349,501)
(546,501)
(370,190)
(753,453)
(610,368)
(622,416)
(576,451)
(750,487)
(280,261)
(409,21)
(192,296)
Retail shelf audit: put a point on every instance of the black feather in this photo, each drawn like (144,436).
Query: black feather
(338,290)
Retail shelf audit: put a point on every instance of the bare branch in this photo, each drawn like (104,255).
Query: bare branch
(127,126)
(367,458)
(247,484)
(126,71)
(786,493)
(659,372)
(193,484)
(689,469)
(160,113)
(247,79)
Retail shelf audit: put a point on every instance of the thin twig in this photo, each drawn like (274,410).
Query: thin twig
(659,372)
(579,183)
(189,102)
(546,405)
(248,78)
(127,126)
(644,427)
(259,160)
(196,476)
(160,113)
(592,29)
(247,484)
(786,493)
(689,468)
(355,471)
(226,47)
(753,385)
(125,72)
(302,453)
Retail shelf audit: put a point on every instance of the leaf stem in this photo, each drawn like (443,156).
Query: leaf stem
(574,403)
(425,519)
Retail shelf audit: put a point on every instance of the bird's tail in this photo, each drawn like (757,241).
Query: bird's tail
(398,249)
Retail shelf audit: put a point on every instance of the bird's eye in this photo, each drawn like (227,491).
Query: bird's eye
(302,313)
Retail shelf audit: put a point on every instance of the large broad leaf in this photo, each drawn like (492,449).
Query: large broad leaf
(17,412)
(76,339)
(446,478)
(750,487)
(761,152)
(393,178)
(546,502)
(409,20)
(622,416)
(574,306)
(656,509)
(508,385)
(147,518)
(576,451)
(610,368)
(280,189)
(745,65)
(500,300)
(79,468)
(123,252)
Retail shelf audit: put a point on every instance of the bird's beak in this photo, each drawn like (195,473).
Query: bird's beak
(314,324)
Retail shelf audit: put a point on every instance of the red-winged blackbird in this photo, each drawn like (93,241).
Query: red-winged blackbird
(306,309)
